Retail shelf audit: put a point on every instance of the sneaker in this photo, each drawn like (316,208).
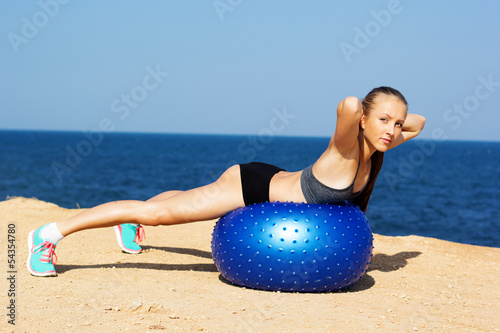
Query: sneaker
(41,258)
(128,235)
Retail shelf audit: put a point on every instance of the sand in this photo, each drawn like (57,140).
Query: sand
(414,284)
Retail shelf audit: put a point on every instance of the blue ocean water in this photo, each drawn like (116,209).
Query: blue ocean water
(448,190)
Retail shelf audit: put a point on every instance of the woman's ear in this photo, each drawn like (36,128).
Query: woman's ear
(362,121)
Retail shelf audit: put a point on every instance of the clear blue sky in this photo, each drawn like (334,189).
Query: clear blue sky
(246,67)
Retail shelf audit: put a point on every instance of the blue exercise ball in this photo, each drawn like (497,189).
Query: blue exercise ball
(293,247)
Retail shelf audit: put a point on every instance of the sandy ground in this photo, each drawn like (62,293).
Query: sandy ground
(414,284)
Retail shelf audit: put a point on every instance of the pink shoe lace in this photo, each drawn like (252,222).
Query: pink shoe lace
(140,234)
(48,252)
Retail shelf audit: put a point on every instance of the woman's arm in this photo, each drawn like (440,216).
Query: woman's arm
(412,127)
(347,129)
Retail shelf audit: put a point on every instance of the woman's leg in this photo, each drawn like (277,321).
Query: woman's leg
(129,235)
(164,195)
(199,204)
(203,203)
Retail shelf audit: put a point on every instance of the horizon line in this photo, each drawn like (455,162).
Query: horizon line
(225,134)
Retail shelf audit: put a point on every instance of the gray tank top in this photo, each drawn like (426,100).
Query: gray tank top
(316,192)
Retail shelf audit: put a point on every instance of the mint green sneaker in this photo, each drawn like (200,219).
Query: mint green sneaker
(41,258)
(128,235)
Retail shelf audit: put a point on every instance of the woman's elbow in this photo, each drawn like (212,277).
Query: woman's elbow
(349,105)
(422,122)
(352,103)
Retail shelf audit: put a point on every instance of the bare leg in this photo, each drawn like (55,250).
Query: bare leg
(173,207)
(164,195)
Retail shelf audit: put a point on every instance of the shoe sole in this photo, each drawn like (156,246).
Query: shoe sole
(28,263)
(118,234)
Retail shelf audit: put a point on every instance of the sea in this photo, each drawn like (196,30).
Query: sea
(448,190)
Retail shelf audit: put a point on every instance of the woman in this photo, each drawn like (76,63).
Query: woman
(347,170)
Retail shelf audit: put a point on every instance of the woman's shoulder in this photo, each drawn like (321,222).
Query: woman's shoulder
(333,158)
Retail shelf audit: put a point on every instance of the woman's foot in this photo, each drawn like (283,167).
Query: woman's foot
(42,256)
(128,235)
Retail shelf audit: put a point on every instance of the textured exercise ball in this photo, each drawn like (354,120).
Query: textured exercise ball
(293,247)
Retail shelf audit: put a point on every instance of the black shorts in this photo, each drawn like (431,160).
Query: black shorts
(255,181)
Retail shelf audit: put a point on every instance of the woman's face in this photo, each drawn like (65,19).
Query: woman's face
(384,124)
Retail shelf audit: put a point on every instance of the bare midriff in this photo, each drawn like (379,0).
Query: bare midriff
(285,186)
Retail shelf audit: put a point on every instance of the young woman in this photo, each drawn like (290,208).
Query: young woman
(347,170)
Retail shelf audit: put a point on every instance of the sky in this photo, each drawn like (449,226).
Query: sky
(246,67)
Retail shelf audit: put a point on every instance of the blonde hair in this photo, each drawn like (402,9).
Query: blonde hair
(369,99)
(377,157)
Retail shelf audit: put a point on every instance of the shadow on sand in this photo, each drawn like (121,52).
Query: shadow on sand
(380,262)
